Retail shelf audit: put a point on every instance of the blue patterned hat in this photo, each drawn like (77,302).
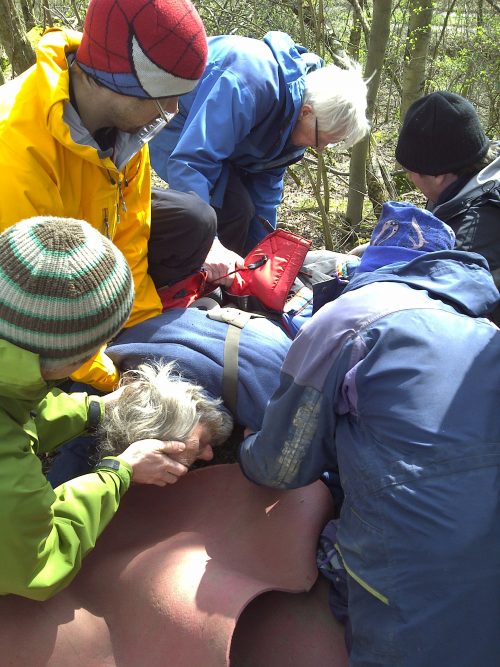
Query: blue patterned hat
(402,233)
(404,225)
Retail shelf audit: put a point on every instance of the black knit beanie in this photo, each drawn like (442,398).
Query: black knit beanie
(441,134)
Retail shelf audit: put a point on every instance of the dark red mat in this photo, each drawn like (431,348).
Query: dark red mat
(172,574)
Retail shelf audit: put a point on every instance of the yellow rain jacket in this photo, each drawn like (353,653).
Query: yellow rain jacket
(44,171)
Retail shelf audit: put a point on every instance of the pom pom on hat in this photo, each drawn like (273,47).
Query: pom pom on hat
(65,289)
(441,134)
(404,225)
(143,48)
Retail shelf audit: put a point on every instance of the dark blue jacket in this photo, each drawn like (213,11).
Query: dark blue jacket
(196,343)
(397,383)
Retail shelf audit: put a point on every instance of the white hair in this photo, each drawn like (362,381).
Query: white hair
(158,402)
(338,98)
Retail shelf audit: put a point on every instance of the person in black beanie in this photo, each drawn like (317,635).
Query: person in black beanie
(448,156)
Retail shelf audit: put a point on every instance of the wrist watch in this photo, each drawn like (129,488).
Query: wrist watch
(111,464)
(93,416)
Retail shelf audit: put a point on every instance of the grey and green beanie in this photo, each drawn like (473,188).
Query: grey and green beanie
(65,289)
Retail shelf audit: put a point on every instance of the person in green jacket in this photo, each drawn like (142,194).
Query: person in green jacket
(64,291)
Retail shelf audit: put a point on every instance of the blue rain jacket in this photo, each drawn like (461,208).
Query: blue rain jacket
(396,384)
(241,113)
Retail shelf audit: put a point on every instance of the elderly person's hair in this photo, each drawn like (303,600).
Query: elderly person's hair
(338,98)
(157,402)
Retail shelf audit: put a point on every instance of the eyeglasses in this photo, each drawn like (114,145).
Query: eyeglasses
(330,144)
(165,115)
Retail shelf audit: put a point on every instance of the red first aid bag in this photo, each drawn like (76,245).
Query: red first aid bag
(183,293)
(269,272)
(271,268)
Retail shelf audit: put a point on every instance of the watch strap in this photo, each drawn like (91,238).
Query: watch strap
(93,416)
(109,464)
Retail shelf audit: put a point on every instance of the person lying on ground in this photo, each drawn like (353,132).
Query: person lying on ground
(245,371)
(156,402)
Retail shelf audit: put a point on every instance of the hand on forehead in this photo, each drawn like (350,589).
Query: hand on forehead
(197,447)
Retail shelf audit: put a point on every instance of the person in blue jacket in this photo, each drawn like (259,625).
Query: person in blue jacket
(395,385)
(447,155)
(257,107)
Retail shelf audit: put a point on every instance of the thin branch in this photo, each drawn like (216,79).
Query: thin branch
(362,19)
(495,6)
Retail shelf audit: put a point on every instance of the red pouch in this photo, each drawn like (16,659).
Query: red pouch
(183,293)
(271,268)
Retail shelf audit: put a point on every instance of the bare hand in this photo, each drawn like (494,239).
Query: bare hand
(359,250)
(219,262)
(151,463)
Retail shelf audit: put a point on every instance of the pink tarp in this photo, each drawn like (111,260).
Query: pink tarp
(173,572)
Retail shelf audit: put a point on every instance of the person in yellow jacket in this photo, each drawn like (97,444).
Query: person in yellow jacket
(74,130)
(64,290)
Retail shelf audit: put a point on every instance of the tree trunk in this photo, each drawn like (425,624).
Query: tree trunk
(355,35)
(27,10)
(379,35)
(380,189)
(417,47)
(47,18)
(358,6)
(13,38)
(313,17)
(444,28)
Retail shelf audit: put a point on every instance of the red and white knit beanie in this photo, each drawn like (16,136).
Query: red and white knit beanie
(143,48)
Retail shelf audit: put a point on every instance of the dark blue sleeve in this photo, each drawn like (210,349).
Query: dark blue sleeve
(296,443)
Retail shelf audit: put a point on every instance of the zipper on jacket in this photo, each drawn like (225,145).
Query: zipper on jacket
(121,206)
(121,201)
(105,222)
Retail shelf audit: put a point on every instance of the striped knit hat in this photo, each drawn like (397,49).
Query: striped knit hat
(64,289)
(143,48)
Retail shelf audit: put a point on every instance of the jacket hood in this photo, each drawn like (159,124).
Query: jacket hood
(461,279)
(491,172)
(52,64)
(294,60)
(483,182)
